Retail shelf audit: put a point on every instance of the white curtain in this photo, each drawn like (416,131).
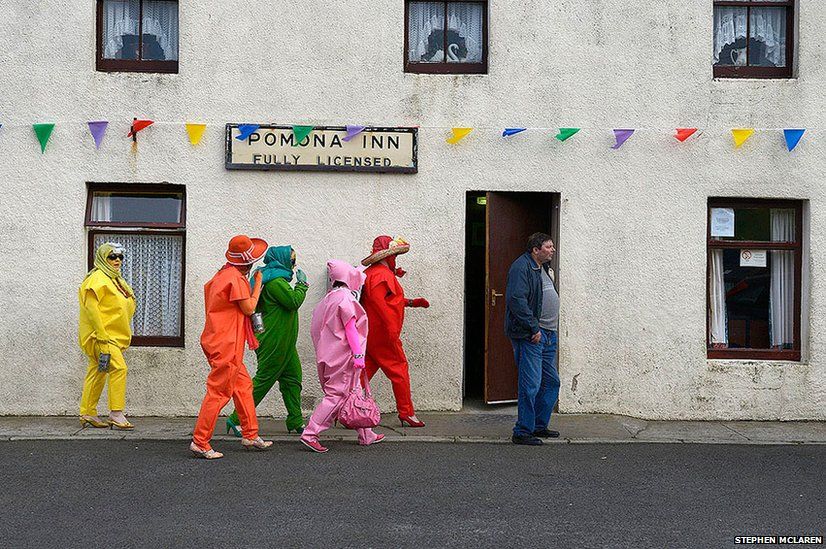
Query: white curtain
(717,300)
(425,18)
(120,18)
(101,207)
(781,296)
(153,266)
(466,20)
(160,19)
(768,25)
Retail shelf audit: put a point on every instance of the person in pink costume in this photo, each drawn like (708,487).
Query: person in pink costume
(339,332)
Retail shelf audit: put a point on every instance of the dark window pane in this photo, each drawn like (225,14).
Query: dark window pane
(767,37)
(752,224)
(426,32)
(464,32)
(160,30)
(747,302)
(136,208)
(120,29)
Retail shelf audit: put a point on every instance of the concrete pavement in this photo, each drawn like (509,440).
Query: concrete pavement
(473,425)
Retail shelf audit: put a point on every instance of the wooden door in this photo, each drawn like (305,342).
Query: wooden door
(511,219)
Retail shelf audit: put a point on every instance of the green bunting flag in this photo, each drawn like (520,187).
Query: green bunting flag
(300,132)
(565,133)
(43,133)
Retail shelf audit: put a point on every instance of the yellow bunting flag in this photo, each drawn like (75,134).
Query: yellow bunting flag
(195,132)
(458,135)
(741,136)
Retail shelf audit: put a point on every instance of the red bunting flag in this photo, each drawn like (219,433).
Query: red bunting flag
(138,125)
(684,133)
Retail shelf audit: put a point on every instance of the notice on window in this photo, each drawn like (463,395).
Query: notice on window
(753,258)
(722,221)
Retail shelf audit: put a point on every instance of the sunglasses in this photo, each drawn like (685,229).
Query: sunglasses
(113,257)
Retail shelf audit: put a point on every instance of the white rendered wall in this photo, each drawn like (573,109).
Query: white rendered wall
(632,246)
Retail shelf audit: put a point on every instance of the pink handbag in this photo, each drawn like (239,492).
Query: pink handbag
(359,411)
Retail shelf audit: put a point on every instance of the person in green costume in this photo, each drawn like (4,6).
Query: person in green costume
(277,357)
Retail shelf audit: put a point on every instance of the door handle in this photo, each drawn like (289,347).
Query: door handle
(493,296)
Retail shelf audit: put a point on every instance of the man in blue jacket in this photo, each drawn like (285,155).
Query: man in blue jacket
(531,323)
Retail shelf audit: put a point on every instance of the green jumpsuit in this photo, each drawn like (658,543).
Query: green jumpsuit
(277,356)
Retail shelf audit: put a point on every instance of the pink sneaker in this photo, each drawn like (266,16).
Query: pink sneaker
(376,440)
(313,445)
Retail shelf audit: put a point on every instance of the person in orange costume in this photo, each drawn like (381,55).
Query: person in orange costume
(383,299)
(228,306)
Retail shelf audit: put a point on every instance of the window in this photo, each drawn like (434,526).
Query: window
(149,221)
(463,26)
(137,35)
(753,38)
(754,268)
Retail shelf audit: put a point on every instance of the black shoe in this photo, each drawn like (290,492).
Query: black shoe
(546,433)
(527,440)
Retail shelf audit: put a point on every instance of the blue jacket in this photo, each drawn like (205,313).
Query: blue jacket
(523,298)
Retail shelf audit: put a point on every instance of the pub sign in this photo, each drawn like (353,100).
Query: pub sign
(273,147)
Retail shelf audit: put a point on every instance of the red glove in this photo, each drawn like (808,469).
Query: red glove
(400,272)
(419,302)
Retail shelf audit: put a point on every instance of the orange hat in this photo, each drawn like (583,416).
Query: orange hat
(384,247)
(243,250)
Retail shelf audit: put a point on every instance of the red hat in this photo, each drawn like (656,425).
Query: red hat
(243,250)
(384,247)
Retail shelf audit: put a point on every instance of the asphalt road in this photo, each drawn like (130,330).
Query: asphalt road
(152,494)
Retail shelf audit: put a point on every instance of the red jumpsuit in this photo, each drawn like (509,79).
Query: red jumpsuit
(223,339)
(383,299)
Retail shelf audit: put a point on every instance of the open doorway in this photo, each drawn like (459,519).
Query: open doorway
(497,225)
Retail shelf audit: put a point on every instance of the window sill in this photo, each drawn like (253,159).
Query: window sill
(737,365)
(447,68)
(134,225)
(757,79)
(756,73)
(147,341)
(120,65)
(752,355)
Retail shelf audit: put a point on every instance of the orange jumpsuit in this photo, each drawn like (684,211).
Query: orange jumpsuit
(383,299)
(223,341)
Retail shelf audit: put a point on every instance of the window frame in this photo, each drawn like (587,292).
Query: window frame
(730,71)
(131,65)
(177,229)
(444,67)
(794,354)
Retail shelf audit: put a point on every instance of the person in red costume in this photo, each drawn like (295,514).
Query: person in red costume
(383,299)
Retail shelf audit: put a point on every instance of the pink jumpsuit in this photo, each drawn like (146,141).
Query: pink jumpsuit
(333,353)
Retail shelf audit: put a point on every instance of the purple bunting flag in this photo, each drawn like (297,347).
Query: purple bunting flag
(621,137)
(353,131)
(97,129)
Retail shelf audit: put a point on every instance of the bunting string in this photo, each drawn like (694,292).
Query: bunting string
(126,122)
(454,135)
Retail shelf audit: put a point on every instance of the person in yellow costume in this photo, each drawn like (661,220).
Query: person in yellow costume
(107,304)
